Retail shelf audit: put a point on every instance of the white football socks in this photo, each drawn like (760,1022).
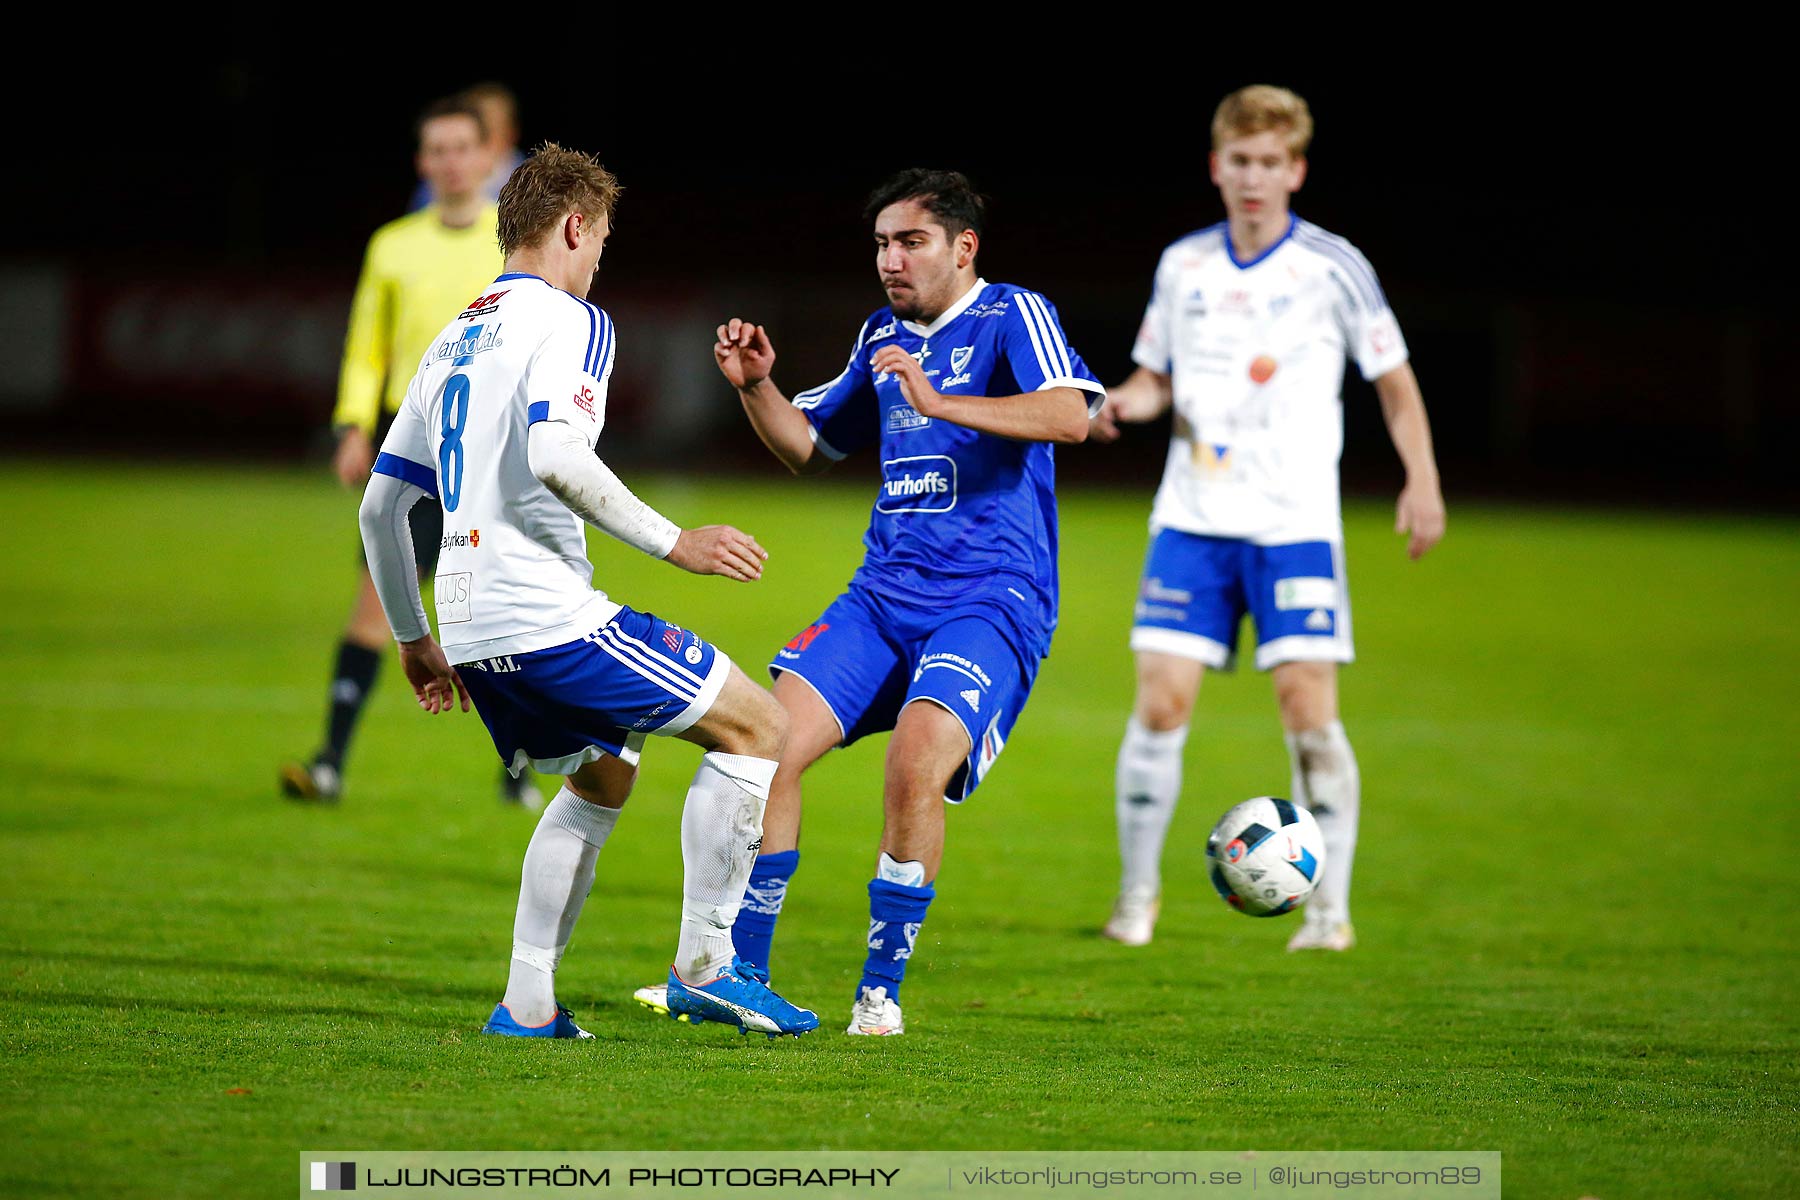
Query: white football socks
(1326,781)
(559,870)
(721,831)
(1148,783)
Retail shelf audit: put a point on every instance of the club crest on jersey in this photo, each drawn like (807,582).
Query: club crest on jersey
(481,306)
(919,483)
(959,361)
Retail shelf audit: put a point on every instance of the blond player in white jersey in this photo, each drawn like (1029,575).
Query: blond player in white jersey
(501,423)
(1246,334)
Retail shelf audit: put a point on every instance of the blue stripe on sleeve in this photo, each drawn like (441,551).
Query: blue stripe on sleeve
(606,346)
(538,411)
(408,471)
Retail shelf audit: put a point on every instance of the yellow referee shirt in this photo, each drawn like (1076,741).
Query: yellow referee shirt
(417,275)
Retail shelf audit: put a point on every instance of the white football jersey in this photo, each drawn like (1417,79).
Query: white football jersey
(513,573)
(1256,354)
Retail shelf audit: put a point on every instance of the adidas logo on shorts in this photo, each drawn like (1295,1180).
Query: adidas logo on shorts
(973,698)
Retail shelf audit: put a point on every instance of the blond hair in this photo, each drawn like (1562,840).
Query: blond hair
(546,188)
(1260,108)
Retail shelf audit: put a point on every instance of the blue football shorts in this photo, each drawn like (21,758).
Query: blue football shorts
(558,708)
(1196,590)
(869,656)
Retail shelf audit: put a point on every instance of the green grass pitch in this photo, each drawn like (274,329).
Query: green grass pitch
(1575,888)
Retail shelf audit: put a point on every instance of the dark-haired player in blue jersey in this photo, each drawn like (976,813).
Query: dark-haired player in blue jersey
(961,385)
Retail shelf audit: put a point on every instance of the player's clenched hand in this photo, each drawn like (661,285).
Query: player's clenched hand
(1420,513)
(914,384)
(353,459)
(434,681)
(719,550)
(1105,425)
(744,353)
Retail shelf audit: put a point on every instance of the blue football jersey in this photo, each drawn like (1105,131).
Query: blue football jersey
(959,513)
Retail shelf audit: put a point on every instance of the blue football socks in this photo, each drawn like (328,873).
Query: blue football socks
(763,897)
(896,913)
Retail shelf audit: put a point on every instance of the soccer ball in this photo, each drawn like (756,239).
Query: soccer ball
(1265,856)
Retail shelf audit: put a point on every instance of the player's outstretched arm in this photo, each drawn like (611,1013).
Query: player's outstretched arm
(1420,510)
(1058,414)
(1145,396)
(746,358)
(564,462)
(387,542)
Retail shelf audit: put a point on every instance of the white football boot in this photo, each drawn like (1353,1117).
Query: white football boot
(1326,933)
(874,1015)
(655,998)
(1134,918)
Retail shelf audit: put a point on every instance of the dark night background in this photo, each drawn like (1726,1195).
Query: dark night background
(1571,244)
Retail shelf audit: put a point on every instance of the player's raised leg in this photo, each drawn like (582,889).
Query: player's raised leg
(1147,787)
(557,876)
(721,831)
(812,732)
(1326,781)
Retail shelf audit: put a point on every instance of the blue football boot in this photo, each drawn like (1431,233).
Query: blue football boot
(562,1025)
(738,997)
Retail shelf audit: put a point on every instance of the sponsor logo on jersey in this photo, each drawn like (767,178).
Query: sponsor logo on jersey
(1154,589)
(1306,591)
(996,309)
(584,400)
(1238,301)
(451,592)
(474,340)
(459,539)
(805,637)
(672,639)
(1384,336)
(693,655)
(921,483)
(886,331)
(481,306)
(972,698)
(954,662)
(904,418)
(1214,460)
(645,721)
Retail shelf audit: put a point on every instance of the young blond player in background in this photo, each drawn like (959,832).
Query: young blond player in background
(1246,333)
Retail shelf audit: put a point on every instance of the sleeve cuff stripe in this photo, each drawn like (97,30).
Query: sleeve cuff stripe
(408,471)
(825,447)
(538,411)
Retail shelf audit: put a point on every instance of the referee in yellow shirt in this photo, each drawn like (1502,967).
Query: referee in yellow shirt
(418,273)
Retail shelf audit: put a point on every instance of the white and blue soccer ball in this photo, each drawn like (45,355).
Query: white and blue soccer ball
(1265,856)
